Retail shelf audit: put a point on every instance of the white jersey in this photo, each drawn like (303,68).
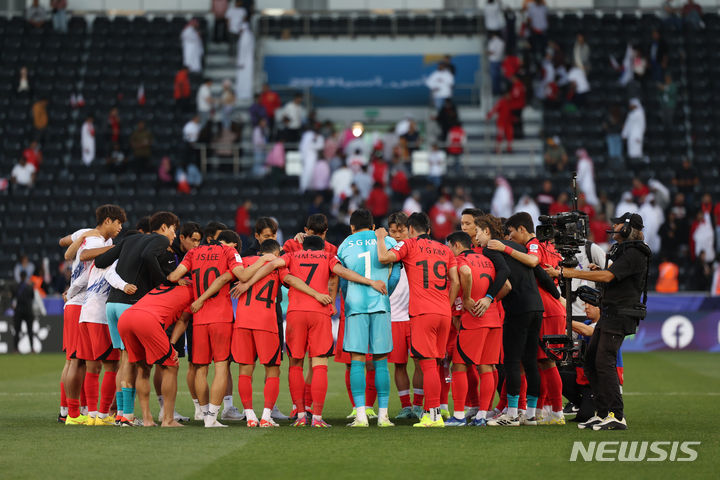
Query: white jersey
(77,292)
(78,268)
(100,281)
(400,300)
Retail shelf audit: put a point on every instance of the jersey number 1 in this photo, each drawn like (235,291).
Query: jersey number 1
(366,256)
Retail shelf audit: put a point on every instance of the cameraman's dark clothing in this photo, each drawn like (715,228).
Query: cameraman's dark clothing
(630,269)
(24,296)
(601,370)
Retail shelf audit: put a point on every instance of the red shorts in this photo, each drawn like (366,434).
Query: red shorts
(452,339)
(145,339)
(341,356)
(401,342)
(429,333)
(71,315)
(553,325)
(211,343)
(308,332)
(479,346)
(250,345)
(94,343)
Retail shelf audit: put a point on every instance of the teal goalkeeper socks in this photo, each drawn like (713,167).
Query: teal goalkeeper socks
(129,401)
(382,382)
(357,382)
(531,401)
(513,401)
(119,401)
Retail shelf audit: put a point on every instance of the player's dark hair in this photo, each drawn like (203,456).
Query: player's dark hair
(212,228)
(188,229)
(475,212)
(420,222)
(398,218)
(159,219)
(313,242)
(269,246)
(460,237)
(113,212)
(492,223)
(265,222)
(317,222)
(228,236)
(143,225)
(521,219)
(361,218)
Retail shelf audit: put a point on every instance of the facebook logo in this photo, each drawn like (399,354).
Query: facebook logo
(677,332)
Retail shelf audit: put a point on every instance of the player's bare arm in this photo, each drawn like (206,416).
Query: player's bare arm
(91,253)
(177,274)
(351,276)
(525,258)
(65,241)
(214,287)
(73,247)
(582,329)
(465,274)
(454,284)
(245,274)
(294,282)
(603,276)
(384,255)
(180,327)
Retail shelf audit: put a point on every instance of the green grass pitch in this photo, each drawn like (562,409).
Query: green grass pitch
(671,396)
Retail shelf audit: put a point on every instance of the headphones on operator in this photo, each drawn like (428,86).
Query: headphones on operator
(626,229)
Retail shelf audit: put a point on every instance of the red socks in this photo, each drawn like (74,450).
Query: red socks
(319,388)
(522,403)
(73,407)
(271,392)
(63,398)
(418,398)
(459,390)
(370,391)
(542,398)
(245,389)
(308,395)
(473,379)
(107,391)
(83,398)
(347,386)
(92,390)
(405,400)
(487,391)
(296,382)
(554,391)
(431,383)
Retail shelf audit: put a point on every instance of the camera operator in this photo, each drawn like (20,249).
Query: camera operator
(623,284)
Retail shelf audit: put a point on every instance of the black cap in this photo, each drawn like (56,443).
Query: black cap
(633,219)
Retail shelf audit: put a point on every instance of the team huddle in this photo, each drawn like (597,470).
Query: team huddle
(468,312)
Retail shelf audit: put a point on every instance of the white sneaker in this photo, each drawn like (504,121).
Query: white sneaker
(493,414)
(180,418)
(611,423)
(161,414)
(199,414)
(232,413)
(214,424)
(525,421)
(589,423)
(471,412)
(83,411)
(277,414)
(504,420)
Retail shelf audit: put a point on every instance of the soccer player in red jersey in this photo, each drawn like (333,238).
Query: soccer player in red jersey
(142,329)
(255,333)
(522,231)
(309,328)
(212,326)
(479,339)
(433,279)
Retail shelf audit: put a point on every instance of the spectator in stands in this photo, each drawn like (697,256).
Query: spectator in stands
(639,190)
(509,31)
(440,83)
(340,182)
(181,90)
(494,18)
(271,102)
(670,14)
(87,141)
(626,204)
(220,26)
(538,23)
(446,118)
(23,299)
(227,104)
(447,59)
(23,265)
(518,101)
(236,15)
(33,154)
(412,203)
(667,281)
(634,129)
(40,118)
(24,88)
(113,123)
(456,142)
(311,145)
(692,15)
(527,204)
(257,111)
(653,218)
(586,176)
(613,135)
(561,204)
(658,56)
(605,205)
(23,174)
(701,272)
(243,226)
(378,203)
(260,138)
(192,46)
(204,101)
(59,15)
(668,100)
(504,123)
(295,114)
(412,137)
(188,176)
(496,52)
(671,239)
(578,87)
(191,133)
(555,157)
(36,15)
(546,197)
(581,54)
(363,181)
(436,164)
(584,206)
(165,174)
(320,181)
(399,181)
(501,204)
(442,218)
(61,280)
(141,141)
(245,64)
(599,227)
(116,160)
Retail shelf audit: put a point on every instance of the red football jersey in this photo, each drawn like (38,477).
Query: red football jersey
(483,274)
(205,263)
(427,264)
(166,302)
(293,245)
(256,307)
(548,256)
(314,268)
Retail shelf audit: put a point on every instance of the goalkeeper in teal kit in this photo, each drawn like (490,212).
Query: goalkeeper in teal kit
(367,314)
